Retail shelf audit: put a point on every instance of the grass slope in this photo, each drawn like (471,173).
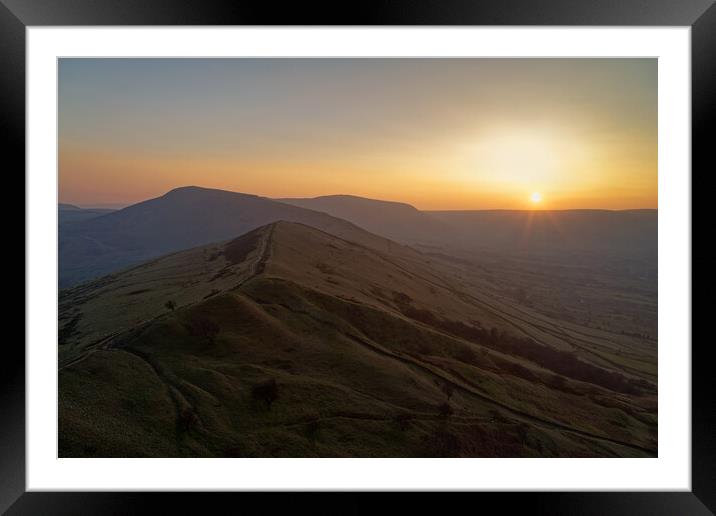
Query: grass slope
(291,342)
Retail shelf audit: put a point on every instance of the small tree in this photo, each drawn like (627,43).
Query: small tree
(170,305)
(266,391)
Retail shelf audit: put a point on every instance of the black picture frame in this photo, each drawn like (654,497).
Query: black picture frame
(700,15)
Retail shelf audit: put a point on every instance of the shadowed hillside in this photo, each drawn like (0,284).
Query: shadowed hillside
(292,341)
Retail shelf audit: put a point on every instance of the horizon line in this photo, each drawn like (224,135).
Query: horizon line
(123,204)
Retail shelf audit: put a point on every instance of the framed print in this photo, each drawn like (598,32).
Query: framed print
(426,247)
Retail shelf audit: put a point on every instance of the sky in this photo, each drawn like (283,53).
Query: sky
(440,134)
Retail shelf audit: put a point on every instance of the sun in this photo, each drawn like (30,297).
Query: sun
(536,197)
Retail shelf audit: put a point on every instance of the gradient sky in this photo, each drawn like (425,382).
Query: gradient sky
(436,133)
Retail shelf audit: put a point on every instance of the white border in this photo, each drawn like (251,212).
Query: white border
(671,471)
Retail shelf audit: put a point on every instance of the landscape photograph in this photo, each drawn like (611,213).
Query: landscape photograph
(357,257)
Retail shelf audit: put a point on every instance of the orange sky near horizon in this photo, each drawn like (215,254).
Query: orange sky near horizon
(436,133)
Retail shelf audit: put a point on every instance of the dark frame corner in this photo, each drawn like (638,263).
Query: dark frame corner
(700,15)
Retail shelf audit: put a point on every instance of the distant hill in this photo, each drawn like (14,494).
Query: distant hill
(291,341)
(71,213)
(625,234)
(67,207)
(95,242)
(180,219)
(395,220)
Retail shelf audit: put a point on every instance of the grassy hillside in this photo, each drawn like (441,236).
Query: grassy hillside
(288,341)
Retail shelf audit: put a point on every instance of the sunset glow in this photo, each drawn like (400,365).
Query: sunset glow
(435,133)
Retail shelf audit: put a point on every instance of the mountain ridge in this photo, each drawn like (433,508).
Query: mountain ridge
(180,219)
